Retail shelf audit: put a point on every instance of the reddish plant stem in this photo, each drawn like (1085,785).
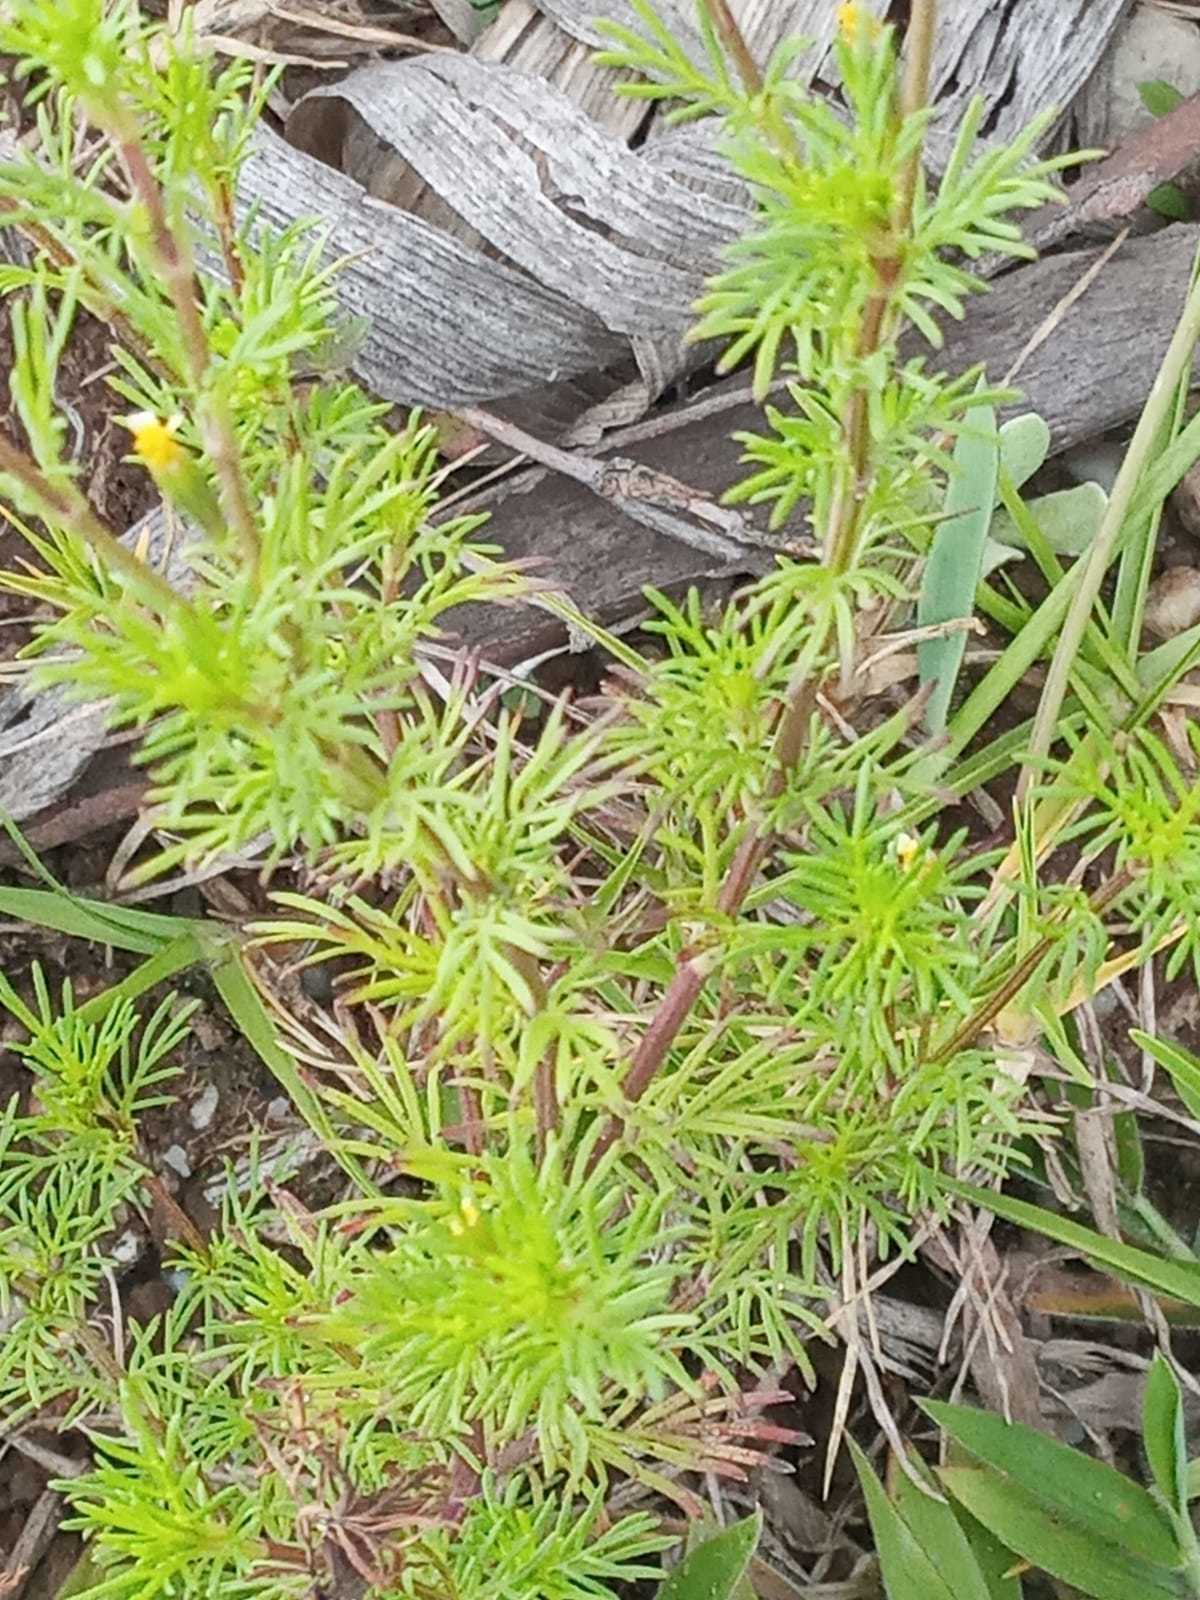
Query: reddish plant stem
(729,32)
(968,1031)
(840,544)
(222,200)
(914,97)
(731,36)
(64,504)
(180,278)
(545,1104)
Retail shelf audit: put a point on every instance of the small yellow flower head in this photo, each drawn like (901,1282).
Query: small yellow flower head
(470,1216)
(154,441)
(907,849)
(856,23)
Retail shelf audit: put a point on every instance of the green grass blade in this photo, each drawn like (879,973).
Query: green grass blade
(245,1006)
(1163,1436)
(1072,1488)
(85,919)
(1178,1279)
(1181,1065)
(1137,554)
(182,953)
(1022,1522)
(956,559)
(715,1569)
(1123,513)
(908,1573)
(940,1534)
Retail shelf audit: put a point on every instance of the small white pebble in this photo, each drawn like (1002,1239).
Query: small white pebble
(279,1108)
(203,1108)
(128,1247)
(176,1159)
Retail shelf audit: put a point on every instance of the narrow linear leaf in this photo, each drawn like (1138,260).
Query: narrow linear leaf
(998,1564)
(245,1006)
(1182,1066)
(1096,1566)
(1162,1431)
(908,1573)
(78,919)
(1178,1279)
(1072,1488)
(161,967)
(938,1531)
(955,561)
(715,1569)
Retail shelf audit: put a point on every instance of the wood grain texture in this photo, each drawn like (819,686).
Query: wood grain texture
(1092,373)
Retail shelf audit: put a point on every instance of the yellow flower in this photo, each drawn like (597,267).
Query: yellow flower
(470,1216)
(175,470)
(154,441)
(855,22)
(907,849)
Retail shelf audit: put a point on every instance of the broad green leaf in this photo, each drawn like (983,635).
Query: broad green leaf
(1072,1488)
(939,1533)
(715,1569)
(956,559)
(1024,446)
(908,1572)
(1068,519)
(1178,1279)
(1159,97)
(1181,1064)
(999,1566)
(1023,1522)
(1169,200)
(1193,1479)
(1162,1431)
(996,555)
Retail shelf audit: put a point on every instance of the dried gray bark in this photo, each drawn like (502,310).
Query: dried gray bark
(601,250)
(511,151)
(1092,373)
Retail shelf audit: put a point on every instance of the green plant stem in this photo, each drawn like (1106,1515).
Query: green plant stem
(1096,564)
(879,316)
(68,507)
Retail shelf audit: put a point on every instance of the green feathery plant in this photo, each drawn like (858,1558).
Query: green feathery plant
(647,1023)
